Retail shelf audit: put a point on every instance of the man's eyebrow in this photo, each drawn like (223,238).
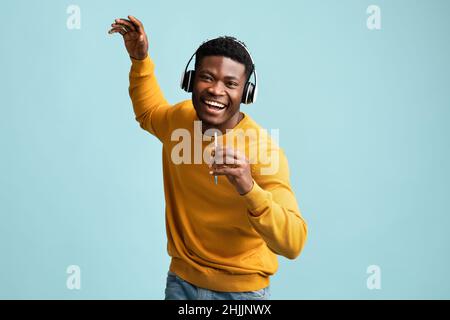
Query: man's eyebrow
(230,77)
(206,71)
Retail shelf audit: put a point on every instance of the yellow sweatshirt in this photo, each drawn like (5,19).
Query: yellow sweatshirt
(218,239)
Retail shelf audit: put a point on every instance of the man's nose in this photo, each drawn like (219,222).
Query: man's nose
(217,89)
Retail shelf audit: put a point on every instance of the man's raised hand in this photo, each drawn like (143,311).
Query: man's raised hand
(235,166)
(132,30)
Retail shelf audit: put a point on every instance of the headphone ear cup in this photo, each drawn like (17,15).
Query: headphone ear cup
(190,80)
(187,80)
(183,76)
(248,93)
(254,92)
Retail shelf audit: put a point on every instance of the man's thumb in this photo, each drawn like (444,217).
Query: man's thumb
(141,38)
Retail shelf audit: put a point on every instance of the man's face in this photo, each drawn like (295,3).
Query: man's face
(217,92)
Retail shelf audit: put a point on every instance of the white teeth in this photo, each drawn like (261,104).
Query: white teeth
(215,104)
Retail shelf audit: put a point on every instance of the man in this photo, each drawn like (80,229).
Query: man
(224,233)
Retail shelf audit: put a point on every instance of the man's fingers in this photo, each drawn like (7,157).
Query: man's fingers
(222,171)
(228,150)
(137,23)
(120,26)
(228,159)
(239,155)
(127,23)
(221,166)
(224,151)
(220,157)
(117,30)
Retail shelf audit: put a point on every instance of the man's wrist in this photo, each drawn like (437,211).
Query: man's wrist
(139,58)
(247,190)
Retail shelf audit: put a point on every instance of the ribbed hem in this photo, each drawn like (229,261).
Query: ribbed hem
(256,198)
(139,60)
(218,281)
(142,67)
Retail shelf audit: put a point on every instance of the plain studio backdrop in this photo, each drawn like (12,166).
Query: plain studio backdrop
(363,116)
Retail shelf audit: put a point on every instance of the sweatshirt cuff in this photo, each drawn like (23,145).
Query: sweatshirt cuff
(256,199)
(139,66)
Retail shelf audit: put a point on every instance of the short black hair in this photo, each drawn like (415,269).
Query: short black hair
(225,46)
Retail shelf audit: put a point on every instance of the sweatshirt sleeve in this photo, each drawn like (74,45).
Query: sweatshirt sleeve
(150,106)
(273,211)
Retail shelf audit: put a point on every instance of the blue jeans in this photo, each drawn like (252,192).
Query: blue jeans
(178,289)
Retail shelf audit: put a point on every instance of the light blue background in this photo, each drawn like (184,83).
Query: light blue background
(363,117)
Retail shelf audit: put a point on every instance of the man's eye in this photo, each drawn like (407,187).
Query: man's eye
(205,77)
(232,84)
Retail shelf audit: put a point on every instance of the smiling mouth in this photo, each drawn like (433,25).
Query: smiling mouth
(214,105)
